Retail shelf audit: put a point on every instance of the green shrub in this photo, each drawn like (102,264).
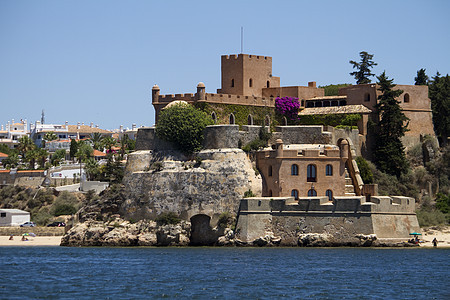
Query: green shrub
(42,217)
(64,209)
(157,166)
(443,203)
(249,193)
(427,217)
(168,218)
(183,125)
(254,145)
(364,170)
(225,219)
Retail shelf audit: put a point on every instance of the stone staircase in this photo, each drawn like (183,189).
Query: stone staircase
(349,187)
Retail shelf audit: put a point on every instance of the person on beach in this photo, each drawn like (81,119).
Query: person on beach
(435,242)
(11,237)
(24,238)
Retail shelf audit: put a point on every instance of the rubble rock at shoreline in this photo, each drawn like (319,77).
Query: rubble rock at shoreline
(121,233)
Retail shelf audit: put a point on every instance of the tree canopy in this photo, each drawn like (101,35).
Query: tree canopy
(389,151)
(439,93)
(363,68)
(421,78)
(183,125)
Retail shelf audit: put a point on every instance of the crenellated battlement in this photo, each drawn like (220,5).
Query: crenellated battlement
(246,56)
(339,205)
(217,98)
(177,97)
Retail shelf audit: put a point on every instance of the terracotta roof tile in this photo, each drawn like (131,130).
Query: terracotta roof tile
(98,153)
(3,154)
(330,110)
(87,129)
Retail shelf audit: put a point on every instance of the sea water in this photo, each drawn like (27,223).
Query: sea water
(223,273)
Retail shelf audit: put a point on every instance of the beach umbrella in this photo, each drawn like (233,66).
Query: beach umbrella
(25,234)
(415,233)
(32,234)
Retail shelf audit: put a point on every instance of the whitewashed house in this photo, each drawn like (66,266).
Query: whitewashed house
(13,217)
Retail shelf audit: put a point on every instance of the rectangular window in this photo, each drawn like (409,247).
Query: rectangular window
(3,215)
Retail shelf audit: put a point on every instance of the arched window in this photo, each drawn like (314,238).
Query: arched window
(214,117)
(268,84)
(250,82)
(312,193)
(232,82)
(250,120)
(294,170)
(406,98)
(285,121)
(294,193)
(311,173)
(270,171)
(232,119)
(329,170)
(329,194)
(366,97)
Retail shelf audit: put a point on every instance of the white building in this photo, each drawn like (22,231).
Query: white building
(13,217)
(13,132)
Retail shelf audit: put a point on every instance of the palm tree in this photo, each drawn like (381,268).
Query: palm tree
(25,145)
(42,155)
(108,142)
(50,136)
(96,139)
(31,156)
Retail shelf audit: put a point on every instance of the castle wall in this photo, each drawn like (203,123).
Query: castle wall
(344,219)
(306,134)
(146,139)
(300,92)
(221,136)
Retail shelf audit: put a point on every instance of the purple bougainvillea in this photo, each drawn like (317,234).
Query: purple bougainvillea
(288,107)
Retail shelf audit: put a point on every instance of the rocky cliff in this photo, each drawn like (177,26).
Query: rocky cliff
(210,184)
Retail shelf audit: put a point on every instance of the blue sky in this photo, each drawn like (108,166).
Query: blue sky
(96,61)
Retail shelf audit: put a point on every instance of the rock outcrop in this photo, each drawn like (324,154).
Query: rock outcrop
(210,184)
(123,233)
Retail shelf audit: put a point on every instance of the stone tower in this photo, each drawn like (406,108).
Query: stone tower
(247,75)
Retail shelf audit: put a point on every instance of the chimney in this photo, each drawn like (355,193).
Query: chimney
(121,128)
(133,126)
(92,124)
(78,125)
(67,123)
(82,123)
(312,84)
(96,126)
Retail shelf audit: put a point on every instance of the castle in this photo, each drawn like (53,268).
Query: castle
(308,182)
(248,86)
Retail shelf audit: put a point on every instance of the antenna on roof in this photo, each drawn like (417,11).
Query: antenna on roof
(242,39)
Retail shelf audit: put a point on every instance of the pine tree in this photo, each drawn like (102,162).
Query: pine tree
(422,78)
(439,94)
(363,67)
(389,151)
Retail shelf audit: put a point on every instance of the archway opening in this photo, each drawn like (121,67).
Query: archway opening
(201,231)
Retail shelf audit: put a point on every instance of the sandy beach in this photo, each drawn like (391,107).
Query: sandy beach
(32,241)
(442,234)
